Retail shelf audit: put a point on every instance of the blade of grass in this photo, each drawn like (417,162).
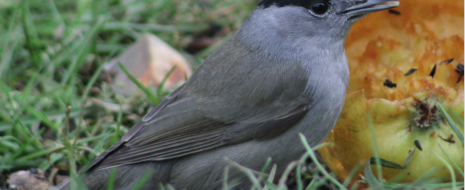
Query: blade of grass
(454,115)
(419,181)
(355,186)
(118,124)
(370,177)
(111,179)
(32,141)
(457,167)
(270,178)
(82,50)
(302,160)
(299,171)
(311,185)
(263,170)
(162,84)
(319,166)
(249,173)
(225,178)
(89,85)
(375,147)
(149,94)
(169,187)
(351,175)
(42,117)
(30,32)
(289,168)
(9,45)
(451,122)
(75,182)
(451,171)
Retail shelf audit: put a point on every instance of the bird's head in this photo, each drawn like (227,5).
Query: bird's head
(326,19)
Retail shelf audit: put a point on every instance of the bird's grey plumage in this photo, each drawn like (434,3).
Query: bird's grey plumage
(284,72)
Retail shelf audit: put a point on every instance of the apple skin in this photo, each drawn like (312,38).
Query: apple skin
(385,46)
(395,135)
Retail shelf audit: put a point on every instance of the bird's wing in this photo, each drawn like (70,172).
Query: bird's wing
(180,129)
(202,115)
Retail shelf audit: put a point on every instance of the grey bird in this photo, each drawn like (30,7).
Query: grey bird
(283,73)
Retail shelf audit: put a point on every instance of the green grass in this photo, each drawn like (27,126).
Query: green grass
(51,58)
(51,66)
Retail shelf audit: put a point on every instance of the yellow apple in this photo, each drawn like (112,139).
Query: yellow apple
(401,66)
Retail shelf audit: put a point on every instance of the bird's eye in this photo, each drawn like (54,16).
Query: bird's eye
(319,8)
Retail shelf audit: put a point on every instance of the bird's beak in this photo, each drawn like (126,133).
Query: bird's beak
(362,7)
